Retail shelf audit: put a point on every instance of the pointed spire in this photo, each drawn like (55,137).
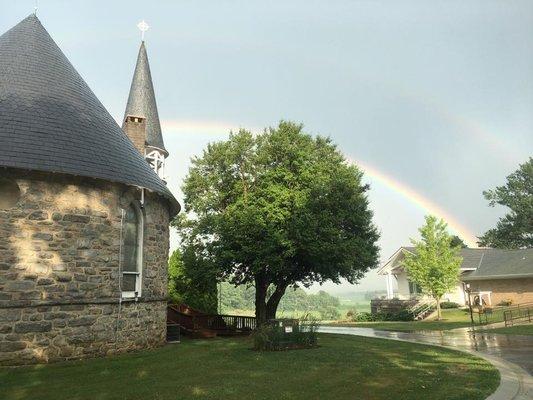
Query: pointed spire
(141,101)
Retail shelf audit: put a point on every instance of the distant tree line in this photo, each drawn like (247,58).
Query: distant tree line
(295,302)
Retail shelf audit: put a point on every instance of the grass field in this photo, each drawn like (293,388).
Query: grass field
(451,318)
(353,305)
(343,367)
(512,330)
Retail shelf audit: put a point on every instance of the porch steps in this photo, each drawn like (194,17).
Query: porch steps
(422,310)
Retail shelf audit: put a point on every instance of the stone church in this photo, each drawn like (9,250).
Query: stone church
(84,209)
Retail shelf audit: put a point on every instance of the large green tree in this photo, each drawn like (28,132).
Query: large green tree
(515,229)
(275,210)
(434,265)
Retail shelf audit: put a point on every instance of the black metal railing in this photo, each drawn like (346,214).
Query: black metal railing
(520,313)
(507,314)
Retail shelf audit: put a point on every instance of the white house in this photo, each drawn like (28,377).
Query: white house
(495,275)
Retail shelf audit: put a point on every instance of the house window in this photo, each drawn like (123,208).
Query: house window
(132,250)
(414,288)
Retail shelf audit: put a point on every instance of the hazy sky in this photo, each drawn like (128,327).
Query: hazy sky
(433,98)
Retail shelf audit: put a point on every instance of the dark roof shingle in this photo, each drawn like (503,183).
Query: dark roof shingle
(141,101)
(51,121)
(494,263)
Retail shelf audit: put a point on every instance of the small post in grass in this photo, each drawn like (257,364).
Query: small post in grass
(466,288)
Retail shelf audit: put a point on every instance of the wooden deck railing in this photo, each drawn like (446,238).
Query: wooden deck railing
(195,320)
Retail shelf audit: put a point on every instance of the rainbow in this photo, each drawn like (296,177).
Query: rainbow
(428,206)
(419,200)
(185,126)
(501,146)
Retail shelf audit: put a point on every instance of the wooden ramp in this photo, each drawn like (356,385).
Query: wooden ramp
(196,324)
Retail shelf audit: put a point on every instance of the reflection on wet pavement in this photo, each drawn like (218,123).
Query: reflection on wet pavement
(513,348)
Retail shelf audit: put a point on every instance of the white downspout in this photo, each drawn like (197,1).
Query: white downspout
(122,212)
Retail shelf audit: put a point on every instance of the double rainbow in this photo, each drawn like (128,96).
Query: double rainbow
(410,194)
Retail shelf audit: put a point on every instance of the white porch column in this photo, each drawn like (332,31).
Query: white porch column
(390,291)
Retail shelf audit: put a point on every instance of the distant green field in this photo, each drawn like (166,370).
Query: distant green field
(343,309)
(298,303)
(357,306)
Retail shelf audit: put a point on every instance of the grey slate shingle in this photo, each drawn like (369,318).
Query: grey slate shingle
(495,262)
(141,101)
(51,121)
(499,262)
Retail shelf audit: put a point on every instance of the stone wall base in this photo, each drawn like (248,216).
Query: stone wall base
(45,334)
(392,306)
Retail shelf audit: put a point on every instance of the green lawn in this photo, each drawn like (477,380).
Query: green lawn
(451,318)
(343,367)
(512,330)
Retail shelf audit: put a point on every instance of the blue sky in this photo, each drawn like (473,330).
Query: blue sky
(436,95)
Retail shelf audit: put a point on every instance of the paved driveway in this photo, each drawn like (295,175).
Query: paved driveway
(514,349)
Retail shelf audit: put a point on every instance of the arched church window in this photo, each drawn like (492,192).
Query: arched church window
(9,193)
(132,250)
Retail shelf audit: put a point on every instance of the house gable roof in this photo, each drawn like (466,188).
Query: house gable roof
(482,263)
(51,121)
(503,264)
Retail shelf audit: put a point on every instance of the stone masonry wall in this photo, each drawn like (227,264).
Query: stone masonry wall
(59,271)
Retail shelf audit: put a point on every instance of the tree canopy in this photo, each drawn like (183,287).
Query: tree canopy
(275,210)
(190,282)
(457,241)
(434,265)
(515,229)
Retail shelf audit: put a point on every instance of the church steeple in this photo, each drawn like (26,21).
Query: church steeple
(141,119)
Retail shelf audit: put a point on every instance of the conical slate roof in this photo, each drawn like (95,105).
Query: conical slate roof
(141,101)
(51,121)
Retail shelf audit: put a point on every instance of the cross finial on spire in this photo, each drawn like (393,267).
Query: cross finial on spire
(35,8)
(143,27)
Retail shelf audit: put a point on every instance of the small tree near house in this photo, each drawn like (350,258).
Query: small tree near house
(434,266)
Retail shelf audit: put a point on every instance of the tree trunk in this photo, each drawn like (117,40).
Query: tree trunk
(438,309)
(273,301)
(260,300)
